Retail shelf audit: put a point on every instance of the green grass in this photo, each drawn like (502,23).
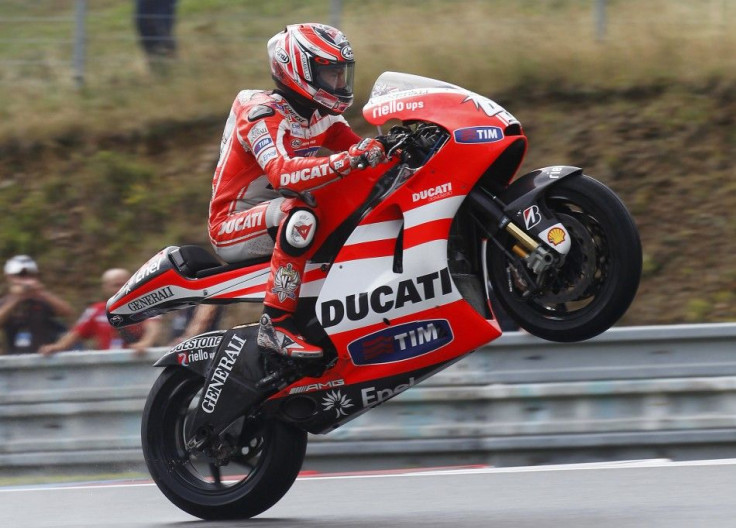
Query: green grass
(490,46)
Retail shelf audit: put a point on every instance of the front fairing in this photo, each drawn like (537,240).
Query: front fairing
(409,97)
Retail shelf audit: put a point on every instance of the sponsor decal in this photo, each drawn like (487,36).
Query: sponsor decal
(296,143)
(300,229)
(222,371)
(306,174)
(258,130)
(347,53)
(478,134)
(490,108)
(303,230)
(185,358)
(262,144)
(532,216)
(198,343)
(373,396)
(116,320)
(247,221)
(153,298)
(148,269)
(281,55)
(385,298)
(556,236)
(401,342)
(266,156)
(297,130)
(554,172)
(317,386)
(433,193)
(338,402)
(306,70)
(394,106)
(286,282)
(306,152)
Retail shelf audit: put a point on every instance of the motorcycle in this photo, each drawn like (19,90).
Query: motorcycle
(402,285)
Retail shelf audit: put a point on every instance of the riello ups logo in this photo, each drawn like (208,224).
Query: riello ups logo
(401,342)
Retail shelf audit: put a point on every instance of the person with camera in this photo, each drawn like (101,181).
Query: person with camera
(29,313)
(93,329)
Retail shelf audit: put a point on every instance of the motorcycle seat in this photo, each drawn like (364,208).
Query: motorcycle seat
(195,262)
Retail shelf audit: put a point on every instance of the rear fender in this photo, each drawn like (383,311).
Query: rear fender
(157,287)
(523,205)
(196,353)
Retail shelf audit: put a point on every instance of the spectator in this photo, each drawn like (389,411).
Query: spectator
(29,312)
(154,20)
(193,321)
(93,324)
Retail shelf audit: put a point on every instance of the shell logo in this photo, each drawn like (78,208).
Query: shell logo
(556,236)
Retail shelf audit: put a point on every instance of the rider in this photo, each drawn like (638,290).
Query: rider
(268,152)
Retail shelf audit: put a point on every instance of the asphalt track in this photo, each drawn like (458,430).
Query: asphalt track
(647,494)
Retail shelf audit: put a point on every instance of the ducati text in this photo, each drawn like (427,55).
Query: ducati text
(385,298)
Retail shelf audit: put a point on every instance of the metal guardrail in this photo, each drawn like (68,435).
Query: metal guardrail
(637,391)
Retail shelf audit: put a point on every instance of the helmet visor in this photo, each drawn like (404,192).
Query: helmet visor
(334,78)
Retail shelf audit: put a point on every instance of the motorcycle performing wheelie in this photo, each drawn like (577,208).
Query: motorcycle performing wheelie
(399,289)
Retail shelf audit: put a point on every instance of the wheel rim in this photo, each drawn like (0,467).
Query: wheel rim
(574,287)
(206,473)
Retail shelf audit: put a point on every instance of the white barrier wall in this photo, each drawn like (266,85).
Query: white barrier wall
(633,392)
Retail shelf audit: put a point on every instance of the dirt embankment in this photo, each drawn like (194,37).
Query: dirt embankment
(81,204)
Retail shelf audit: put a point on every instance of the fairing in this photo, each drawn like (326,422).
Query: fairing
(410,97)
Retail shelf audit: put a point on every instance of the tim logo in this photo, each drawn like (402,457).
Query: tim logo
(401,342)
(478,134)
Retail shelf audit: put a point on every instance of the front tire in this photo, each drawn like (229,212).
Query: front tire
(260,468)
(600,275)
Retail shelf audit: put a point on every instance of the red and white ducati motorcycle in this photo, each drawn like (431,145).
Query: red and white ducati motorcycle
(398,290)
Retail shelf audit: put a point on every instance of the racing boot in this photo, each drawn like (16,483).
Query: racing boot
(278,334)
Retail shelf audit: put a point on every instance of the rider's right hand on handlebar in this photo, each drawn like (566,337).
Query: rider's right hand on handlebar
(368,152)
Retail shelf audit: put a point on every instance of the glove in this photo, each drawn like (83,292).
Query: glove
(367,152)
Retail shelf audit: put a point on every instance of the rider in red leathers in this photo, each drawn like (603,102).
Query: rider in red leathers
(268,151)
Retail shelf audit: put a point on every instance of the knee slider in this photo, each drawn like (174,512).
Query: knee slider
(298,233)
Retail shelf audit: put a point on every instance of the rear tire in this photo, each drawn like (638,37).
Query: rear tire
(262,468)
(599,278)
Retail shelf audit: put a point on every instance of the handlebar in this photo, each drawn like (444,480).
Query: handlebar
(415,145)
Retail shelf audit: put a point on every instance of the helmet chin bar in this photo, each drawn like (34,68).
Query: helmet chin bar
(331,102)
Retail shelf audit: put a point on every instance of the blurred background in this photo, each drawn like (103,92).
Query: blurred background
(107,150)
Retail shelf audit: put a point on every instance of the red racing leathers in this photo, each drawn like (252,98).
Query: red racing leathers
(268,146)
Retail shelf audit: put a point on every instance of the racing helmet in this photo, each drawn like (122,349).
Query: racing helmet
(314,62)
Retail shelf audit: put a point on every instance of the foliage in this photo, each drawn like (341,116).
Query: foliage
(110,173)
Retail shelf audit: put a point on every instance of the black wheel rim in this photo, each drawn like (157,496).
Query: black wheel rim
(199,472)
(575,287)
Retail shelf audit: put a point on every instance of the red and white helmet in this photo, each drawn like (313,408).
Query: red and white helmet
(315,62)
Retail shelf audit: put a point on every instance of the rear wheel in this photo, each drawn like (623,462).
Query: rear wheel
(253,466)
(594,285)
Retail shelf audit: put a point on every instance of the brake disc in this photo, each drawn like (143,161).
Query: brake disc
(569,282)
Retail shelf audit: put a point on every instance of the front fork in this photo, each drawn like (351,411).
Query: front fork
(536,257)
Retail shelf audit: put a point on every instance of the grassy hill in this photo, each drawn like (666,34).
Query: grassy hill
(108,174)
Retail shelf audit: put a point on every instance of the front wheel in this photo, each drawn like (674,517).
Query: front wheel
(253,466)
(594,284)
